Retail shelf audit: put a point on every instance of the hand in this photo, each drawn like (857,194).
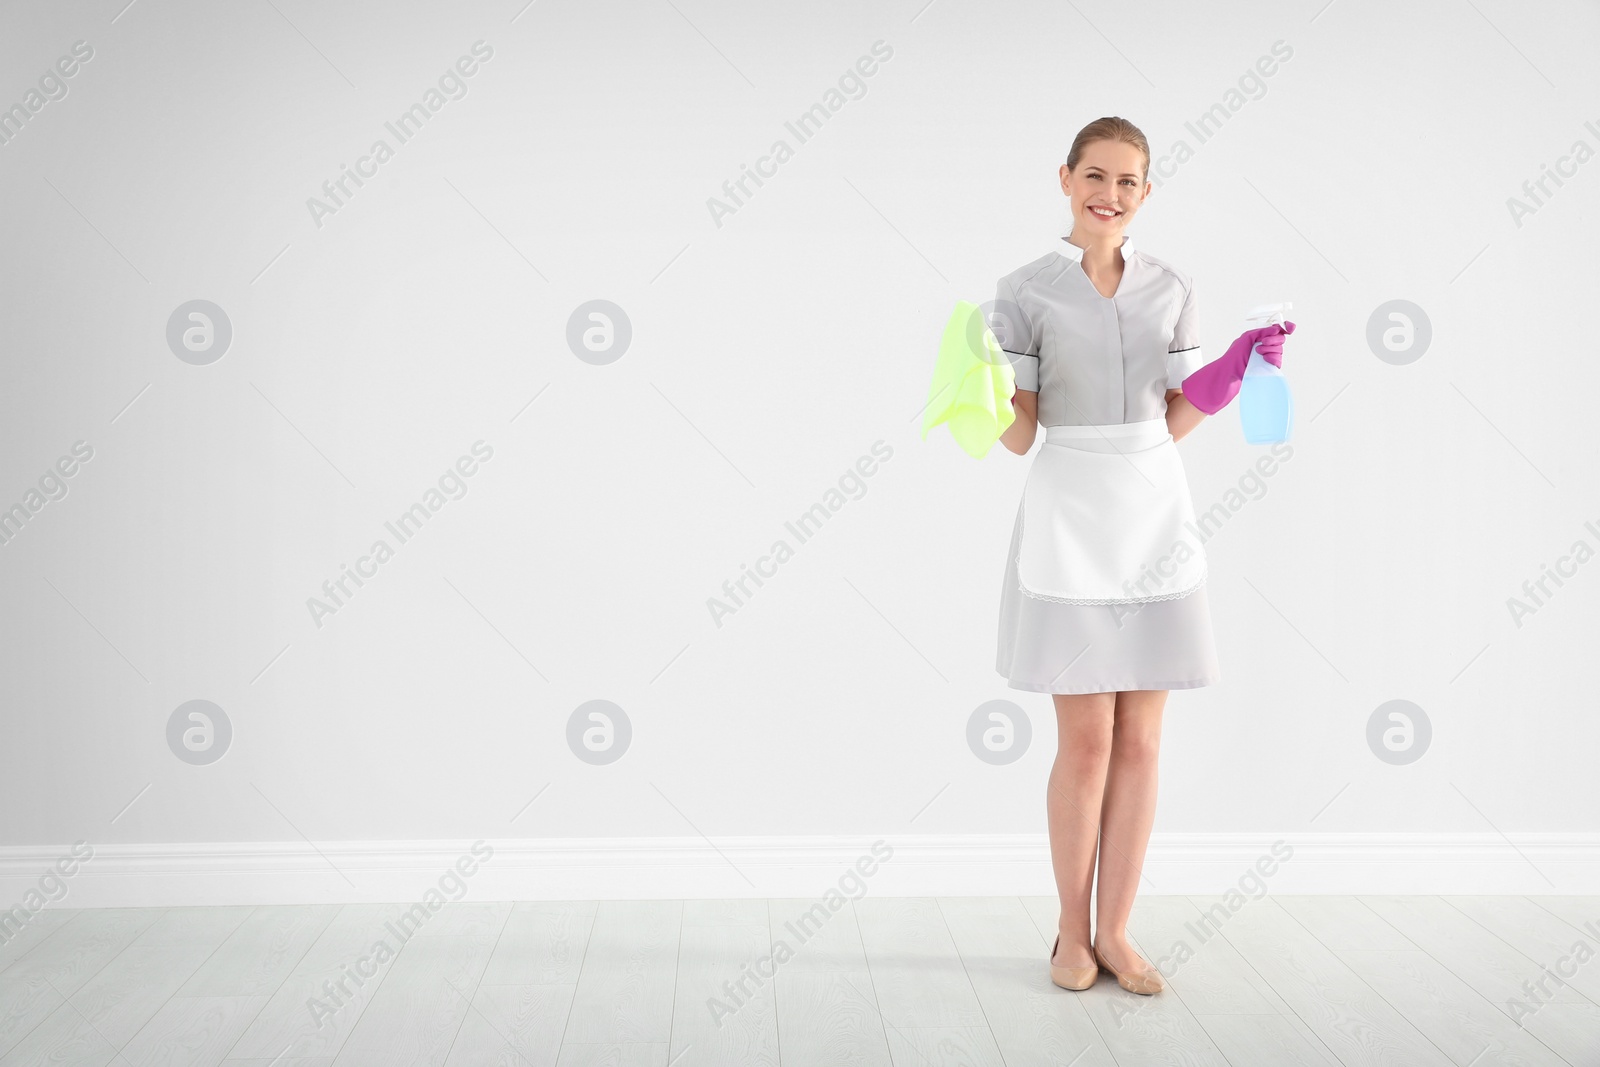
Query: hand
(1268,341)
(1213,387)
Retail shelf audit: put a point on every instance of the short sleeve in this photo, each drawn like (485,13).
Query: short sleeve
(1183,355)
(1015,332)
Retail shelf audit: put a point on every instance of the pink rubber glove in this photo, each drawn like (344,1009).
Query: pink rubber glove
(1213,387)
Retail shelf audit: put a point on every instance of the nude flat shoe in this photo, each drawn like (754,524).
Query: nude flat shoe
(1071,977)
(1146,982)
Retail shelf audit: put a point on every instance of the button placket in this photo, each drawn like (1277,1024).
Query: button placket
(1116,376)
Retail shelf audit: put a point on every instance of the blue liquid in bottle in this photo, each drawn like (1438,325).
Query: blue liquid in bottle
(1266,410)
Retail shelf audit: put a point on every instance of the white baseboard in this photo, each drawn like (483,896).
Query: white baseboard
(273,872)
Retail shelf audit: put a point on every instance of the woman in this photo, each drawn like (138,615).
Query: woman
(1104,604)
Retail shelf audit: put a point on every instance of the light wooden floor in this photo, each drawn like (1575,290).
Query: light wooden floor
(923,982)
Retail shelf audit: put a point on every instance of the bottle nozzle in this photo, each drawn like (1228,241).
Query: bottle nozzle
(1266,314)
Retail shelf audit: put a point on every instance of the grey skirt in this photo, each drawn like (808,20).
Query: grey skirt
(1046,647)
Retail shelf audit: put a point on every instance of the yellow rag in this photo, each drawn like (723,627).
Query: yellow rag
(972,383)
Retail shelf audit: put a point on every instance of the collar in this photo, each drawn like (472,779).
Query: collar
(1074,253)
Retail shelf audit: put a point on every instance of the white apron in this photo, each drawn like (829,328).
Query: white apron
(1107,519)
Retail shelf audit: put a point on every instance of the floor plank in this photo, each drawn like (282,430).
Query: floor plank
(542,944)
(625,985)
(65,1039)
(917,973)
(1266,1039)
(1007,960)
(24,1004)
(614,1054)
(1464,1025)
(1198,963)
(1344,922)
(1159,1030)
(1325,981)
(513,1026)
(1557,1014)
(22,936)
(966,1046)
(724,1011)
(191,1031)
(1339,1007)
(414,1016)
(1493,968)
(130,991)
(1580,913)
(827,1009)
(1559,951)
(261,952)
(79,948)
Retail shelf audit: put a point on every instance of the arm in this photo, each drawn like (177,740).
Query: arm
(1020,342)
(1018,437)
(1183,359)
(1182,416)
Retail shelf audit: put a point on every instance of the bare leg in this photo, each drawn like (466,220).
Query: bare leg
(1072,804)
(1128,810)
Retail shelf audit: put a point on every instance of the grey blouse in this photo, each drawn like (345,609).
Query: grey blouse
(1097,360)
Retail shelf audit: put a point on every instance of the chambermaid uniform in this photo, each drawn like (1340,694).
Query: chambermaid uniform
(1105,577)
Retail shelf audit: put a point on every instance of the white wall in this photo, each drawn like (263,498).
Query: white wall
(768,354)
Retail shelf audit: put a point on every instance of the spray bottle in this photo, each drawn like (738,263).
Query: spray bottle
(1266,410)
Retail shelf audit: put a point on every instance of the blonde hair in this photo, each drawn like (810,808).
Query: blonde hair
(1110,128)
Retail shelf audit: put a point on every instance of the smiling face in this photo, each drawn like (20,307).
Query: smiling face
(1107,188)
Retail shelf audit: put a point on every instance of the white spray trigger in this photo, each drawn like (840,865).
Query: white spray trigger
(1267,314)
